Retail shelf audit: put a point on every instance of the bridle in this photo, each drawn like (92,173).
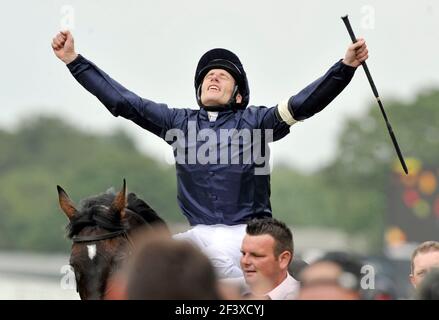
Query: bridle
(104,236)
(99,237)
(122,232)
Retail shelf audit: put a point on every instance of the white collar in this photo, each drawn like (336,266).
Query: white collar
(212,115)
(286,290)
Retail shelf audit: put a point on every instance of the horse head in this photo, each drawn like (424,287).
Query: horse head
(101,229)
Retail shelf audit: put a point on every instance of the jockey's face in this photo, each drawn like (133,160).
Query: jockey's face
(217,88)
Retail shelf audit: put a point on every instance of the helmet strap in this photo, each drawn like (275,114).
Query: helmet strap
(232,100)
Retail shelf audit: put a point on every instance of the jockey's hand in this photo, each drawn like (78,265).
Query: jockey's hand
(64,47)
(356,53)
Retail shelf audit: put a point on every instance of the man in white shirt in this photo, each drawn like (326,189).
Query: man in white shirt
(267,251)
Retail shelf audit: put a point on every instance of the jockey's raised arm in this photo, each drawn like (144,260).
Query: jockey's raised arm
(218,192)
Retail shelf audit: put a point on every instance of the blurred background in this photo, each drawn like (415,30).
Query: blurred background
(336,180)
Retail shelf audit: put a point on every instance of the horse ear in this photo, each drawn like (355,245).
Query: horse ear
(65,203)
(120,202)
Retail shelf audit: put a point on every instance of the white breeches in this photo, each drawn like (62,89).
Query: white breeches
(221,244)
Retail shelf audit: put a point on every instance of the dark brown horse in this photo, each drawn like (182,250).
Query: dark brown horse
(101,229)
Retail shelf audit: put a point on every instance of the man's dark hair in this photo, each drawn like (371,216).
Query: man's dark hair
(348,262)
(350,265)
(166,269)
(278,230)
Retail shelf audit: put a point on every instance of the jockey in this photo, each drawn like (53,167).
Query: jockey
(221,149)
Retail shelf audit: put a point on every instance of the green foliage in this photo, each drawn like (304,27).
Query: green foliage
(349,194)
(366,158)
(46,152)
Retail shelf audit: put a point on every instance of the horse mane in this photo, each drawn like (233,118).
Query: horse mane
(96,211)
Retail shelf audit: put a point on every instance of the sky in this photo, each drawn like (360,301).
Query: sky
(153,47)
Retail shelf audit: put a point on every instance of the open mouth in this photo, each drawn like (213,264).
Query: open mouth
(213,88)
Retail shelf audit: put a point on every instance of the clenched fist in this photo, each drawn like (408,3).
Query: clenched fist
(356,53)
(64,47)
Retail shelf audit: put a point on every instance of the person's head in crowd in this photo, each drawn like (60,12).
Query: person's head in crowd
(267,251)
(167,269)
(296,266)
(335,276)
(425,257)
(428,289)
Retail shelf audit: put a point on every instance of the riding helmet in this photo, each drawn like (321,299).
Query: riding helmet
(223,59)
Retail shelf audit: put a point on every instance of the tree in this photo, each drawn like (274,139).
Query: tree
(365,158)
(45,152)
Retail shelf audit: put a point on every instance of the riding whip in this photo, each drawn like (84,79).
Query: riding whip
(375,92)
